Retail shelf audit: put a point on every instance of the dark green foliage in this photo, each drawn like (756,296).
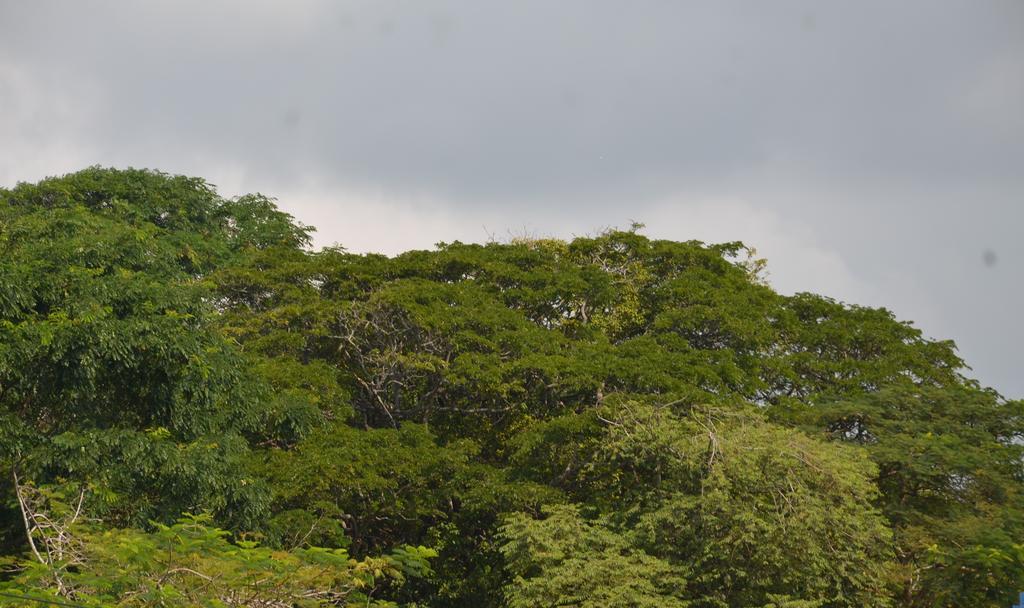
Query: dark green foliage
(107,353)
(610,421)
(950,472)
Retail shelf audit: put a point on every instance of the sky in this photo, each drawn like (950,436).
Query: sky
(871,151)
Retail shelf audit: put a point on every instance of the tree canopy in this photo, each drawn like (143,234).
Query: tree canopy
(199,409)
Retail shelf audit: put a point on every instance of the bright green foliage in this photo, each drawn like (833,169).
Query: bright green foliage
(191,563)
(607,421)
(566,560)
(750,512)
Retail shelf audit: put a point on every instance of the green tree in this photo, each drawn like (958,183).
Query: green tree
(189,563)
(749,512)
(565,560)
(949,468)
(106,349)
(611,420)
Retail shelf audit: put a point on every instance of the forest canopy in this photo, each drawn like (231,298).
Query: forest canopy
(199,409)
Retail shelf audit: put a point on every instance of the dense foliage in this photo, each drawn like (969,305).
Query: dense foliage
(198,410)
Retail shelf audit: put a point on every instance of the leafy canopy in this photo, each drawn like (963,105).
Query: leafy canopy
(607,421)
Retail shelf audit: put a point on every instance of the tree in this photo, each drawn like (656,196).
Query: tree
(106,349)
(188,563)
(565,560)
(749,512)
(611,420)
(949,469)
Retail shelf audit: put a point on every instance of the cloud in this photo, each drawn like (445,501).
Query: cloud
(872,151)
(45,122)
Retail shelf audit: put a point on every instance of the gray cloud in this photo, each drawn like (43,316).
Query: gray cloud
(873,150)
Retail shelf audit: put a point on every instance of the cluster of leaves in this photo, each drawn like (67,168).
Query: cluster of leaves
(192,563)
(743,512)
(609,421)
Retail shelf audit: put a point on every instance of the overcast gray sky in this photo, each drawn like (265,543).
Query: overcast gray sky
(872,151)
